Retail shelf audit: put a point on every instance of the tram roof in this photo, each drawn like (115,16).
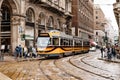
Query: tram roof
(56,33)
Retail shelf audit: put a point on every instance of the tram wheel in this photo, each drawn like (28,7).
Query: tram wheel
(60,55)
(47,56)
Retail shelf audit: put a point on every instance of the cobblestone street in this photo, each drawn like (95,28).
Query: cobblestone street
(78,67)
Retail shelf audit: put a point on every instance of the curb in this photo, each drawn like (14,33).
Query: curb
(114,61)
(28,59)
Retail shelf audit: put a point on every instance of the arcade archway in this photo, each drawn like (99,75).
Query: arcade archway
(6,27)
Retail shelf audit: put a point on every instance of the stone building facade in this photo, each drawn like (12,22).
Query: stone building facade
(117,15)
(22,20)
(99,25)
(82,21)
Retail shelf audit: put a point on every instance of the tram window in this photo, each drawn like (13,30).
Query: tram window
(62,42)
(71,42)
(50,42)
(55,41)
(86,43)
(66,42)
(80,43)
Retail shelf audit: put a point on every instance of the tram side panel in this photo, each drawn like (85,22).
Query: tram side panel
(86,46)
(48,45)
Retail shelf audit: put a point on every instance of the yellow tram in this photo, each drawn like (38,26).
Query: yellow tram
(55,42)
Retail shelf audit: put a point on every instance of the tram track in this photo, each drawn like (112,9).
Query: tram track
(47,77)
(88,70)
(52,72)
(83,60)
(67,68)
(67,72)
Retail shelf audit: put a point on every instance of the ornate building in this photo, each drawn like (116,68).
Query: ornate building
(22,20)
(117,14)
(82,21)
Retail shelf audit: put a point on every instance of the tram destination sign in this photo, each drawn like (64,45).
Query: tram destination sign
(43,35)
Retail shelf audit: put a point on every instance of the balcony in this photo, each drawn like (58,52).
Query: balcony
(50,5)
(30,24)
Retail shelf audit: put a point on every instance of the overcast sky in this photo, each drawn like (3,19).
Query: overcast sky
(107,7)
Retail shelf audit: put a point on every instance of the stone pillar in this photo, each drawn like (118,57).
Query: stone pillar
(0,26)
(17,30)
(119,27)
(35,32)
(14,32)
(22,30)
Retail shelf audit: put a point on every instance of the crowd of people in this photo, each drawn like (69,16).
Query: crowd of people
(25,52)
(108,52)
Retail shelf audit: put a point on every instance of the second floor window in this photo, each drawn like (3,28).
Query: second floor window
(96,33)
(50,21)
(96,17)
(30,15)
(56,1)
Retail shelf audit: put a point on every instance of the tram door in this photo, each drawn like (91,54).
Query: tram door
(5,28)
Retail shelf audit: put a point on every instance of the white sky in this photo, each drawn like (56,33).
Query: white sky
(107,7)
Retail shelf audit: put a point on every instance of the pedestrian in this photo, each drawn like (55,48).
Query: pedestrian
(102,49)
(25,52)
(2,52)
(113,52)
(16,53)
(109,52)
(1,56)
(30,51)
(20,51)
(105,52)
(34,54)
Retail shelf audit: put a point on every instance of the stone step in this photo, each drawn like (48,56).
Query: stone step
(4,77)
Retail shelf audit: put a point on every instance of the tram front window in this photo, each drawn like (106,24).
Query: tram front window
(43,42)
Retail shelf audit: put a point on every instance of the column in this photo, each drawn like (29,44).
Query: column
(35,32)
(119,27)
(0,26)
(17,30)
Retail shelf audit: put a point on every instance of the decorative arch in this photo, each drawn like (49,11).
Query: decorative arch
(9,8)
(6,12)
(50,22)
(30,15)
(13,5)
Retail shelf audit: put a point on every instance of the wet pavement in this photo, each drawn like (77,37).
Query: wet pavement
(79,67)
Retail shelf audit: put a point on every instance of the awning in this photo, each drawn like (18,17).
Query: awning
(93,43)
(29,37)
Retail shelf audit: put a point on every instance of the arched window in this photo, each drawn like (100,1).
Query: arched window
(58,24)
(56,1)
(5,24)
(5,13)
(30,15)
(50,22)
(41,19)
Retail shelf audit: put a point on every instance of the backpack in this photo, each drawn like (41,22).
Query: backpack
(17,49)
